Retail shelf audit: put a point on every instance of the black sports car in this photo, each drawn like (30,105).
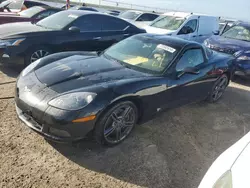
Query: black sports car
(63,31)
(66,95)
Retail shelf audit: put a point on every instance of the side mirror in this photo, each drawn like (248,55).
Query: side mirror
(74,29)
(191,70)
(217,32)
(139,19)
(188,70)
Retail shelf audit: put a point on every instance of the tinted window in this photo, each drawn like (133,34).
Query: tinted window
(45,14)
(113,24)
(190,58)
(89,23)
(147,17)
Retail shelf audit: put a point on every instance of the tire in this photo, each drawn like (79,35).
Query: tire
(114,126)
(36,53)
(218,89)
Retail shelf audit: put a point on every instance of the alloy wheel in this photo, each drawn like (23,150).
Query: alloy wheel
(38,54)
(119,124)
(219,88)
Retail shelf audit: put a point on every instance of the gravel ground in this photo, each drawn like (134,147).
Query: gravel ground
(173,150)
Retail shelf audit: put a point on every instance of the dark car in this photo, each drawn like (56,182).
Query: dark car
(33,14)
(63,31)
(11,6)
(66,95)
(235,41)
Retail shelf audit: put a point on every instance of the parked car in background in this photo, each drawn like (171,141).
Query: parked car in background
(225,24)
(33,15)
(231,169)
(113,12)
(14,6)
(188,26)
(84,8)
(235,41)
(138,18)
(64,31)
(78,92)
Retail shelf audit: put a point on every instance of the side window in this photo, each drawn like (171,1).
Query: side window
(147,17)
(191,58)
(113,24)
(88,23)
(45,14)
(189,27)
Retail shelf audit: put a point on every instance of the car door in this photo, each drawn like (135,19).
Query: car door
(87,38)
(190,87)
(189,30)
(113,31)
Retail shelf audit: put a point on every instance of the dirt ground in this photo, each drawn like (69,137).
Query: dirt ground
(172,151)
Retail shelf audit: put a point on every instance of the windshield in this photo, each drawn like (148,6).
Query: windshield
(142,53)
(168,22)
(129,15)
(238,32)
(31,12)
(58,21)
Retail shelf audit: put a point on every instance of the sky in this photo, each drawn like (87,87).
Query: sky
(238,9)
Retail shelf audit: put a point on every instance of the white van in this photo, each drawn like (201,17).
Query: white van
(188,26)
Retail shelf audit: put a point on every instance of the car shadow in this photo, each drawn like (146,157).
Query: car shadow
(242,81)
(11,70)
(173,150)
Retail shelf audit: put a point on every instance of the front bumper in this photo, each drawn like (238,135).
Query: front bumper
(242,71)
(57,132)
(10,56)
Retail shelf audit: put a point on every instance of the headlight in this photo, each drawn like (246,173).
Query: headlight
(246,58)
(206,43)
(12,42)
(73,101)
(225,181)
(30,67)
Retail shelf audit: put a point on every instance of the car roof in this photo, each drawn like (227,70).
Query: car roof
(82,12)
(175,42)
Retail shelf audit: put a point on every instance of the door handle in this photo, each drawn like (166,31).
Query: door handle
(194,36)
(126,34)
(97,38)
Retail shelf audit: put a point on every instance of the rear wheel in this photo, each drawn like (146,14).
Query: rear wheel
(218,89)
(116,124)
(35,54)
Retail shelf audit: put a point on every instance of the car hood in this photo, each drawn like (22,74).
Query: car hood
(82,72)
(13,30)
(234,159)
(156,30)
(227,45)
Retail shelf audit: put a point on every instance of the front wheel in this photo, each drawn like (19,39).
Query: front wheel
(116,124)
(35,54)
(218,89)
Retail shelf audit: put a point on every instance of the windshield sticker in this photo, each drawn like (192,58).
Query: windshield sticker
(136,60)
(72,16)
(166,48)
